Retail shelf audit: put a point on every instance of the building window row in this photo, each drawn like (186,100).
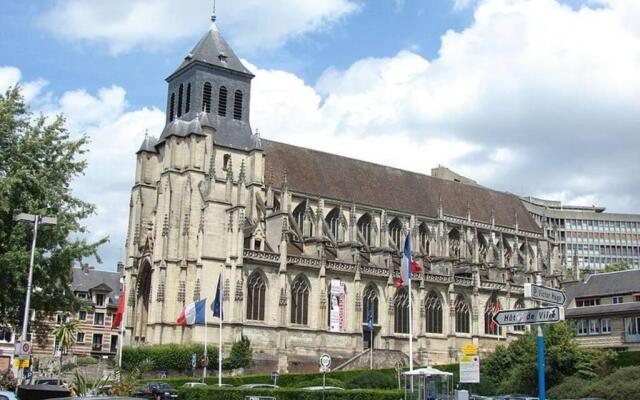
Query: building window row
(593,327)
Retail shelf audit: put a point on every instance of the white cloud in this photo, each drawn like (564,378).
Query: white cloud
(115,132)
(124,25)
(461,4)
(533,97)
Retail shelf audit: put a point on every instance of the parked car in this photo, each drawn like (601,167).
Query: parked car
(48,381)
(8,396)
(194,384)
(156,391)
(317,388)
(515,397)
(259,386)
(223,385)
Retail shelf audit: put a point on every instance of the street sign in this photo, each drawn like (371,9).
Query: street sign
(470,349)
(193,360)
(20,363)
(325,361)
(545,294)
(542,315)
(470,369)
(23,349)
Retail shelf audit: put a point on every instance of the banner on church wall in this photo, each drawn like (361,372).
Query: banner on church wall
(336,306)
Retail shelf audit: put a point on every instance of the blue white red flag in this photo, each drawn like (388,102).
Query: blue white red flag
(408,266)
(192,314)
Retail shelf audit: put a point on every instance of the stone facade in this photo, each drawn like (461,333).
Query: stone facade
(280,223)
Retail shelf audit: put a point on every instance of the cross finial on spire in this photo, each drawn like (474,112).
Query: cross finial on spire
(146,134)
(213,14)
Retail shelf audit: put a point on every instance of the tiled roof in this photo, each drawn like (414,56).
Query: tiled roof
(335,177)
(84,281)
(212,49)
(607,309)
(606,284)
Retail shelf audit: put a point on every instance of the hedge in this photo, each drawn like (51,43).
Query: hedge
(628,359)
(286,394)
(623,384)
(170,357)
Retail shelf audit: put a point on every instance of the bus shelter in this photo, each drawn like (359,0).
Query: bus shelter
(428,384)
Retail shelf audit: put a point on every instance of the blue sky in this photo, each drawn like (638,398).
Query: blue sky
(535,97)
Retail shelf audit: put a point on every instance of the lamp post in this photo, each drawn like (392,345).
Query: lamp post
(36,220)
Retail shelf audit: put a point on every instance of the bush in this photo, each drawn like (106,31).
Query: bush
(164,357)
(571,388)
(68,366)
(628,359)
(87,360)
(286,394)
(624,384)
(372,380)
(240,356)
(318,382)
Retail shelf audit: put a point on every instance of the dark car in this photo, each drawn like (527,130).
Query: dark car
(156,391)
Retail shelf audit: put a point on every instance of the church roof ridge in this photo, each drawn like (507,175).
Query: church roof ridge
(320,173)
(148,144)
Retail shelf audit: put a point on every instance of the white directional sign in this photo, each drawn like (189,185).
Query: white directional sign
(523,316)
(543,293)
(325,360)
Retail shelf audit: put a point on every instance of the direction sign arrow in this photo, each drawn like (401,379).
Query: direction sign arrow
(524,316)
(543,293)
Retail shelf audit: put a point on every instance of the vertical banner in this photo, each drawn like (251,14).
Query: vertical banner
(337,306)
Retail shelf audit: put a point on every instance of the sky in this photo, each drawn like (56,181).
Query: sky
(534,97)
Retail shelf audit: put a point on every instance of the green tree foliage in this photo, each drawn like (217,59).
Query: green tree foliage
(65,333)
(513,369)
(620,266)
(240,356)
(38,162)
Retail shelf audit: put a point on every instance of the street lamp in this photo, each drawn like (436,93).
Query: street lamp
(36,220)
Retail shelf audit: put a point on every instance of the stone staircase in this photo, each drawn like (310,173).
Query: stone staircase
(381,359)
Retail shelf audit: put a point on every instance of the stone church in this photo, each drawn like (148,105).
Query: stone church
(308,243)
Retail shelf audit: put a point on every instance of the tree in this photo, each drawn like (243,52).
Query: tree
(65,333)
(38,162)
(619,266)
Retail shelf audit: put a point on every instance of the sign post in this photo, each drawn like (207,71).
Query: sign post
(536,316)
(325,363)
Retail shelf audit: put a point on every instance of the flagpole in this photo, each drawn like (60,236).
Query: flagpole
(122,323)
(371,348)
(206,355)
(220,281)
(410,324)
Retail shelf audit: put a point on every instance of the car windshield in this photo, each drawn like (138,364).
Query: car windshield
(162,386)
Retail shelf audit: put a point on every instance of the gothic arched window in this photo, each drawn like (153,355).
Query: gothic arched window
(180,90)
(222,102)
(237,105)
(304,221)
(370,304)
(454,243)
(401,311)
(187,103)
(433,311)
(172,106)
(463,320)
(299,301)
(256,293)
(364,228)
(333,221)
(519,305)
(490,309)
(395,233)
(423,238)
(206,97)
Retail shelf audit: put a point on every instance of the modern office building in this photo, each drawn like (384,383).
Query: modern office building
(605,310)
(588,237)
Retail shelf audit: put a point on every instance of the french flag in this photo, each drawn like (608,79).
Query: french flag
(192,314)
(408,265)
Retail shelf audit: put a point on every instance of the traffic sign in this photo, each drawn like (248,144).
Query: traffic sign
(470,369)
(325,361)
(20,363)
(542,315)
(543,293)
(193,360)
(23,349)
(470,349)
